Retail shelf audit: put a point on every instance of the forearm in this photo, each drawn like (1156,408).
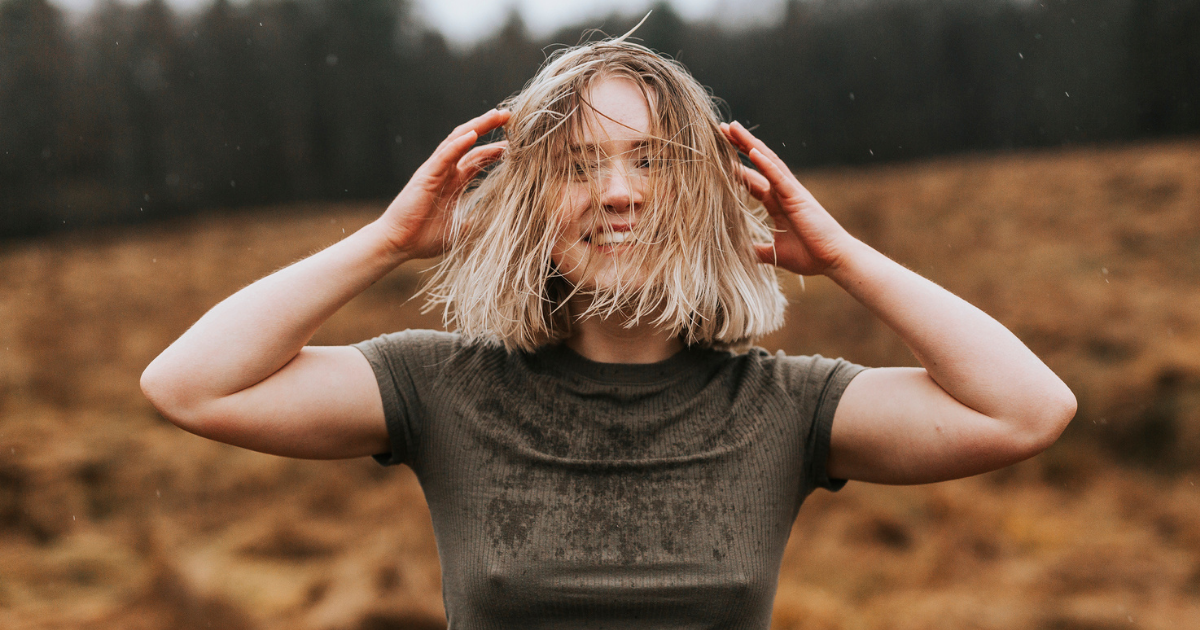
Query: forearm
(258,330)
(967,353)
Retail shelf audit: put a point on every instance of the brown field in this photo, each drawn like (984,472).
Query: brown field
(112,518)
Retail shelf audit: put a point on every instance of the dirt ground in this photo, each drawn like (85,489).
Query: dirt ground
(112,518)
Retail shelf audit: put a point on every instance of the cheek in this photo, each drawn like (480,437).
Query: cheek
(571,220)
(577,201)
(567,235)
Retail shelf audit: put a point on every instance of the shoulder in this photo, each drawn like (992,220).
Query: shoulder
(413,339)
(802,373)
(419,350)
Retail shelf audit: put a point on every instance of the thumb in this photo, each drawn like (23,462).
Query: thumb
(766,253)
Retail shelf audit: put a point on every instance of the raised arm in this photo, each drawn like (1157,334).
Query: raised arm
(982,399)
(243,374)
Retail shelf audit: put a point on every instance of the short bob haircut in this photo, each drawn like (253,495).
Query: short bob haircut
(694,235)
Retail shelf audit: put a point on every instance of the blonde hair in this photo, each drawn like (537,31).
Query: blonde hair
(695,230)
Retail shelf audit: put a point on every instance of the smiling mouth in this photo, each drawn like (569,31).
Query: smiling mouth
(608,239)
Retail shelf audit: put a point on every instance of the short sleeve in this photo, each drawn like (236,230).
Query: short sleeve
(816,384)
(404,364)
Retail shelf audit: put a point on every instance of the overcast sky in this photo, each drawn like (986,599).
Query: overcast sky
(463,21)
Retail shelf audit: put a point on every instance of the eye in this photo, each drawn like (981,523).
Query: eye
(581,169)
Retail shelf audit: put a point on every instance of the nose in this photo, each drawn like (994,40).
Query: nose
(622,189)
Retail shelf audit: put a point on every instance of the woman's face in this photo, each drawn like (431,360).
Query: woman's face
(596,238)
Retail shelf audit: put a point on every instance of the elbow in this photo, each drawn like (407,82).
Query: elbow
(1060,410)
(1045,424)
(168,395)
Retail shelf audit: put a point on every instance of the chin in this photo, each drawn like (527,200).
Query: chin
(611,276)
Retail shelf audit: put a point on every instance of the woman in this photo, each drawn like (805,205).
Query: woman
(596,446)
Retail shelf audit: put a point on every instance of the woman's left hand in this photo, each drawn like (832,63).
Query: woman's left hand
(808,241)
(982,401)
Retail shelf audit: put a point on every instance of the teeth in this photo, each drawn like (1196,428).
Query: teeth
(611,238)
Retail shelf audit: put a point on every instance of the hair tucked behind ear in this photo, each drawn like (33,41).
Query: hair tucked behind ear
(694,231)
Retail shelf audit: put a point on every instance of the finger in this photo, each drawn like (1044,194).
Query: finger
(480,157)
(760,189)
(749,141)
(766,253)
(781,179)
(480,124)
(448,154)
(754,181)
(733,139)
(475,161)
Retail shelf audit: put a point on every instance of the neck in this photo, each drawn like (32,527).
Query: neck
(609,340)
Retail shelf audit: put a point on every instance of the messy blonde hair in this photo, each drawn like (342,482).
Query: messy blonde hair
(694,232)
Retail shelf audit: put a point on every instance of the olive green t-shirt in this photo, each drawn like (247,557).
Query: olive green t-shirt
(567,493)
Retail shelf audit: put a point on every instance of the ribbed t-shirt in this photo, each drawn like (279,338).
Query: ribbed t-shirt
(567,493)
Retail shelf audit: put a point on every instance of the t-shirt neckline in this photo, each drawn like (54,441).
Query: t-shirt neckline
(563,359)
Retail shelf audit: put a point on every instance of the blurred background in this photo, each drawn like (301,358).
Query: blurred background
(1040,159)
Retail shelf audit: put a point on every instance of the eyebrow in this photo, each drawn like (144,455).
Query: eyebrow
(595,147)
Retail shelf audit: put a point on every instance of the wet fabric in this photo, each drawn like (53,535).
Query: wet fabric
(572,494)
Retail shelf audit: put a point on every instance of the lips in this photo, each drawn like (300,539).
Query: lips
(603,239)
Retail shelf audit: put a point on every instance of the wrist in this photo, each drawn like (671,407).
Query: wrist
(373,251)
(848,263)
(378,238)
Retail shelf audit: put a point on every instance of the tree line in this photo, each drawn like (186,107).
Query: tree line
(136,112)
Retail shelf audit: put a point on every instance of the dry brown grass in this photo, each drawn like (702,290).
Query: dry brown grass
(111,518)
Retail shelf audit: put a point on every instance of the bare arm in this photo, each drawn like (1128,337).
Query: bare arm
(243,374)
(981,400)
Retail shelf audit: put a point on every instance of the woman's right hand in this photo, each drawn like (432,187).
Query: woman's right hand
(417,222)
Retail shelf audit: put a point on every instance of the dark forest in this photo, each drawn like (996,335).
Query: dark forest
(137,113)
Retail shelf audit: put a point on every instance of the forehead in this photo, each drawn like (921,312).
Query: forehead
(617,109)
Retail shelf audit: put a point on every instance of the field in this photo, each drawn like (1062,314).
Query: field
(112,518)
